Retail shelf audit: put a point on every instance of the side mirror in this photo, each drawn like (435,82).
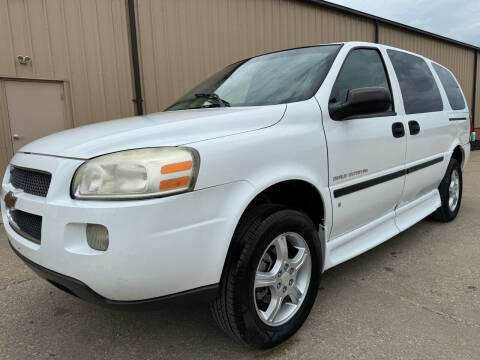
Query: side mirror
(362,101)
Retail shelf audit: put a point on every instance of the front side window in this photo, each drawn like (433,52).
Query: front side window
(454,94)
(419,90)
(362,68)
(277,78)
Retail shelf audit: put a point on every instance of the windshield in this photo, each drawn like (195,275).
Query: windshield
(277,78)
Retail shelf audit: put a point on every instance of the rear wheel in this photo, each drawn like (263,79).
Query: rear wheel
(450,193)
(270,283)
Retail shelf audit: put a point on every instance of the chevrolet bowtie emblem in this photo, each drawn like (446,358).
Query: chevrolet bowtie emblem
(10,200)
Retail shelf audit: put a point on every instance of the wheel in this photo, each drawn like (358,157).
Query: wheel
(271,281)
(450,193)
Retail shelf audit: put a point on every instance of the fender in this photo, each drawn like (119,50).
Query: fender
(247,200)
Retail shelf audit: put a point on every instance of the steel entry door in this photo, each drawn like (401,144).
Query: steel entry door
(35,109)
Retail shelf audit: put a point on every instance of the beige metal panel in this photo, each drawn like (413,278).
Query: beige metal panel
(37,23)
(477,97)
(56,23)
(460,60)
(123,67)
(21,34)
(7,55)
(6,150)
(90,44)
(84,43)
(184,41)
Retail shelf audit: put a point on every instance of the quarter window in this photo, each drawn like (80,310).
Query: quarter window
(362,68)
(454,94)
(419,90)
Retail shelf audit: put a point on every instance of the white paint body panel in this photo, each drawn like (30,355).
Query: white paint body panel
(168,245)
(167,129)
(364,144)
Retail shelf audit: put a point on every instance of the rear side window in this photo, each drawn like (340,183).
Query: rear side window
(454,94)
(362,68)
(419,90)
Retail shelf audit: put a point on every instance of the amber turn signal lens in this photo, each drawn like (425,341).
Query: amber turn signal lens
(175,183)
(177,167)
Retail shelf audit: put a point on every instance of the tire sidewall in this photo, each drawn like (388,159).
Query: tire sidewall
(453,165)
(278,223)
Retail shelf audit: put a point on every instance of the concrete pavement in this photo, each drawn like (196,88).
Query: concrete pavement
(415,297)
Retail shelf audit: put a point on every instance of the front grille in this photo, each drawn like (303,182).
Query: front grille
(31,181)
(27,224)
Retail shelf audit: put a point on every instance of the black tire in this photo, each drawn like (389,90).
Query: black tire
(234,308)
(444,213)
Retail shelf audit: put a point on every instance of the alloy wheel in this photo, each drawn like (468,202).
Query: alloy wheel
(282,279)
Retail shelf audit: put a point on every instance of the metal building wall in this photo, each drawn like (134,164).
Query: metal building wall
(459,59)
(477,97)
(82,43)
(184,41)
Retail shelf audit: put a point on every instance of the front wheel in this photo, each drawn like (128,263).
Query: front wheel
(269,287)
(450,193)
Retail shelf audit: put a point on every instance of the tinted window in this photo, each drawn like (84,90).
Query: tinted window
(454,94)
(277,78)
(419,90)
(362,68)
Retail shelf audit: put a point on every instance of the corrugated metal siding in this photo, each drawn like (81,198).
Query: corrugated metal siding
(477,103)
(84,43)
(184,41)
(5,141)
(458,59)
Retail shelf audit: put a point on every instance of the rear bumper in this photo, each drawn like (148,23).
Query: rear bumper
(79,289)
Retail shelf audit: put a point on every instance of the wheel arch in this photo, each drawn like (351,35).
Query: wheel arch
(294,193)
(459,155)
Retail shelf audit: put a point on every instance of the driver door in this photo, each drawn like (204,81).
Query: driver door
(366,153)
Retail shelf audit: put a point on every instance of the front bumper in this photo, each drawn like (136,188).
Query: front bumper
(79,289)
(158,247)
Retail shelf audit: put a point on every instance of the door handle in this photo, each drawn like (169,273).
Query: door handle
(398,130)
(414,127)
(17,137)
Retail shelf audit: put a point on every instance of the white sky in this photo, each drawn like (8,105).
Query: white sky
(459,20)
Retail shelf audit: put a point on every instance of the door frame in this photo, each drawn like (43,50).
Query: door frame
(4,117)
(358,183)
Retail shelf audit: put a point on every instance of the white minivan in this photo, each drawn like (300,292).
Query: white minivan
(246,189)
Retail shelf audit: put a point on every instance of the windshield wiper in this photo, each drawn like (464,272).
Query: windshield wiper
(213,96)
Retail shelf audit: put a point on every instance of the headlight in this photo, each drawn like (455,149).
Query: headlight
(137,174)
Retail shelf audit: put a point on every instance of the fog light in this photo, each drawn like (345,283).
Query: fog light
(97,237)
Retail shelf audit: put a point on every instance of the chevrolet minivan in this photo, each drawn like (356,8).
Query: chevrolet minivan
(246,189)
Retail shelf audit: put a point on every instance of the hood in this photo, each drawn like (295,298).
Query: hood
(170,128)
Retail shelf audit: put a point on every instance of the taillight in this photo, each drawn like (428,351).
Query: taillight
(471,124)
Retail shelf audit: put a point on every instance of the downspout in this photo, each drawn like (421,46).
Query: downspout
(135,57)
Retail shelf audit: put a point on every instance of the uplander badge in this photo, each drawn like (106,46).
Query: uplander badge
(10,200)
